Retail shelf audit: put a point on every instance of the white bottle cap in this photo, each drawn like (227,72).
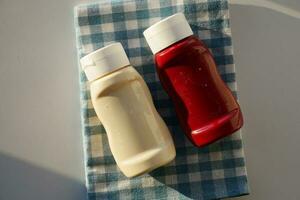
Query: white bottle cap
(167,31)
(104,60)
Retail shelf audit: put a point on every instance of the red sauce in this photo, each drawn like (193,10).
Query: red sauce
(205,106)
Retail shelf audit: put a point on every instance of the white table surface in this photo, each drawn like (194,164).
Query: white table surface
(41,154)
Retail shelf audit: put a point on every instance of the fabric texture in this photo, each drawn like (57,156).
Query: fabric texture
(213,172)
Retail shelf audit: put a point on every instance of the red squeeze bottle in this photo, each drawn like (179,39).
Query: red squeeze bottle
(205,106)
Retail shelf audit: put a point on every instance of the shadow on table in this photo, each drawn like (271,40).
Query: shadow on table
(194,175)
(175,175)
(22,180)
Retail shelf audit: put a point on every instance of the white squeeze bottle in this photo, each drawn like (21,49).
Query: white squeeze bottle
(138,137)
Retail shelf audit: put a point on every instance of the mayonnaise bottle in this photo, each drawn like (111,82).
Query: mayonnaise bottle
(138,137)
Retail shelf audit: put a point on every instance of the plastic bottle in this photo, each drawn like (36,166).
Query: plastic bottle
(139,139)
(205,106)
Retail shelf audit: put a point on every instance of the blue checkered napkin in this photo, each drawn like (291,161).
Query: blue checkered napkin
(215,171)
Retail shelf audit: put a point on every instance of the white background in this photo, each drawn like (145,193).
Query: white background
(41,153)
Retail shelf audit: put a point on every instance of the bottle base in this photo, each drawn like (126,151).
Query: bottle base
(147,161)
(217,129)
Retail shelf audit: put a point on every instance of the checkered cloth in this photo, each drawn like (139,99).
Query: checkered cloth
(213,172)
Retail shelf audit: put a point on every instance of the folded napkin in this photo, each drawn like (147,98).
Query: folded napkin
(213,172)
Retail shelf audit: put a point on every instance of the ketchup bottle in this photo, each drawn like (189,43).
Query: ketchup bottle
(205,106)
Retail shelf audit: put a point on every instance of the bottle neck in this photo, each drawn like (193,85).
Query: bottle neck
(110,72)
(176,44)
